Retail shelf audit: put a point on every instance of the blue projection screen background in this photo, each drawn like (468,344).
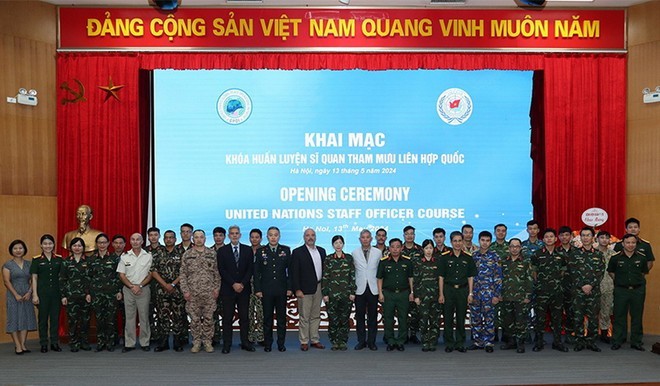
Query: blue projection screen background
(339,151)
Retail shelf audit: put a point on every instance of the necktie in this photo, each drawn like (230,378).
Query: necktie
(236,254)
(366,255)
(273,249)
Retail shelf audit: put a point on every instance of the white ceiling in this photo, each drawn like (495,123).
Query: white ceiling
(358,3)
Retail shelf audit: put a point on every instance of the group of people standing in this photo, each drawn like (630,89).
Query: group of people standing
(183,289)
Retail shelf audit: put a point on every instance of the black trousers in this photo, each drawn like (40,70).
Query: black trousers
(229,305)
(276,302)
(366,303)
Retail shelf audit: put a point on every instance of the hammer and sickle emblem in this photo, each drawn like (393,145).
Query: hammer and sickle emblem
(78,96)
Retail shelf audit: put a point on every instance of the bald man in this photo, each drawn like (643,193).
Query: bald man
(134,272)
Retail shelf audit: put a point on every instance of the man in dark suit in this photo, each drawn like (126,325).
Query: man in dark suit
(236,264)
(306,273)
(272,285)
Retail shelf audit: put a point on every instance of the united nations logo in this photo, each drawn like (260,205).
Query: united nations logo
(234,106)
(454,106)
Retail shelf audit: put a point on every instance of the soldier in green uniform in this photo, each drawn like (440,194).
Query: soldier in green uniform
(566,249)
(45,271)
(517,286)
(338,290)
(587,269)
(457,271)
(219,235)
(118,245)
(170,304)
(395,292)
(633,228)
(105,289)
(549,267)
(153,236)
(273,286)
(427,294)
(628,269)
(439,236)
(255,308)
(412,251)
(74,283)
(501,247)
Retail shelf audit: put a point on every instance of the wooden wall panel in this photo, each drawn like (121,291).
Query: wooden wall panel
(647,209)
(25,218)
(643,142)
(643,23)
(28,147)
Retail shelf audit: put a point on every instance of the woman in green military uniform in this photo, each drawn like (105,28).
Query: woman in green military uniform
(45,271)
(74,283)
(338,289)
(427,291)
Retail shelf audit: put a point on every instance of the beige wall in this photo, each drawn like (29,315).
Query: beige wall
(28,162)
(28,181)
(643,193)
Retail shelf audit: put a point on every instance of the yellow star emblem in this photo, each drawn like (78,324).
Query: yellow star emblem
(111,90)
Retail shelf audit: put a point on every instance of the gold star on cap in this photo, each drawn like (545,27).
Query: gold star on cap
(111,90)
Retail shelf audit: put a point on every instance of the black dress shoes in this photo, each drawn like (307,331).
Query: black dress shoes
(400,347)
(268,349)
(448,349)
(44,349)
(489,349)
(559,347)
(281,348)
(226,350)
(372,346)
(55,347)
(145,348)
(247,347)
(390,347)
(162,348)
(637,347)
(461,349)
(360,346)
(127,349)
(616,346)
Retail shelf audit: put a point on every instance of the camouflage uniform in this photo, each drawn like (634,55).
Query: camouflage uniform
(606,294)
(156,326)
(517,286)
(426,289)
(586,267)
(120,306)
(502,251)
(104,287)
(549,268)
(74,284)
(200,277)
(456,270)
(256,316)
(529,248)
(567,290)
(338,284)
(170,307)
(437,253)
(414,254)
(217,314)
(487,285)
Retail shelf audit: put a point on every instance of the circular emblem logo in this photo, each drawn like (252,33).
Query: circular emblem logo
(234,106)
(454,106)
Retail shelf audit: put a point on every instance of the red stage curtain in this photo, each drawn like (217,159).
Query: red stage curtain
(102,156)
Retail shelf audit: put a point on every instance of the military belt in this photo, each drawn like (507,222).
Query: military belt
(397,290)
(456,286)
(630,287)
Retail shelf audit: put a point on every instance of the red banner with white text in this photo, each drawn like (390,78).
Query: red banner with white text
(341,29)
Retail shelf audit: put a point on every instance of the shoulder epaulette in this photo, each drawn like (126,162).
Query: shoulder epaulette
(446,252)
(405,257)
(646,241)
(616,253)
(36,257)
(384,258)
(468,253)
(641,253)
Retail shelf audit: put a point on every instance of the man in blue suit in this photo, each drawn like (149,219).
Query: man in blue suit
(235,263)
